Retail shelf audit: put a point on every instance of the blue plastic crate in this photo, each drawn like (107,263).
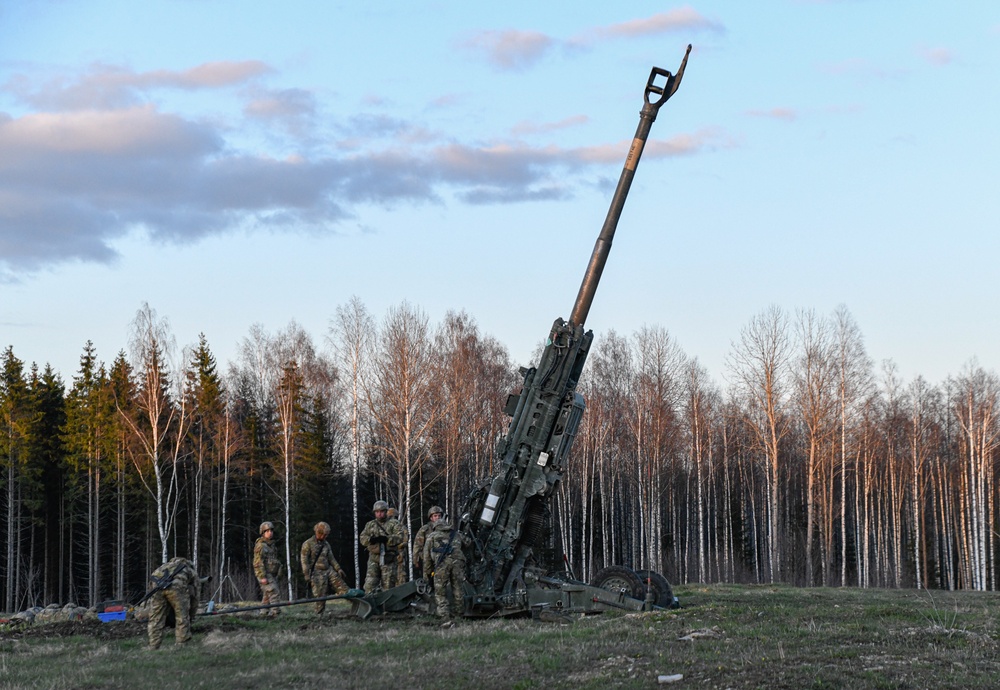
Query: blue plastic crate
(111,616)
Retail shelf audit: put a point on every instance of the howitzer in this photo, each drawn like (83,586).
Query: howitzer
(506,518)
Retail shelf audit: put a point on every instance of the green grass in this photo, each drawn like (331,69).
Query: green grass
(743,637)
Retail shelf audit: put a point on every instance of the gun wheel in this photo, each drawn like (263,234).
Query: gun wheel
(663,594)
(618,578)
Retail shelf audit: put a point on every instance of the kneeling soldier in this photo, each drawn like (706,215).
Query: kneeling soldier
(319,567)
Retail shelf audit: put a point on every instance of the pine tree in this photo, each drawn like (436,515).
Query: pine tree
(15,417)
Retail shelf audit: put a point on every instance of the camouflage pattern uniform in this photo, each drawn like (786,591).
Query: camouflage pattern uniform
(421,539)
(181,596)
(320,568)
(266,565)
(382,538)
(401,575)
(443,555)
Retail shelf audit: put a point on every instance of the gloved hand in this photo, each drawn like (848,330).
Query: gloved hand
(378,540)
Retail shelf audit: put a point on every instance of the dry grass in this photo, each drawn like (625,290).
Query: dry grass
(724,637)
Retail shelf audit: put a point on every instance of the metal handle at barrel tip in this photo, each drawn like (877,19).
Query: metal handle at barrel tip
(670,87)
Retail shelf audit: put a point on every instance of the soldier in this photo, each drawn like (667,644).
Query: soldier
(400,576)
(266,565)
(176,584)
(319,567)
(444,557)
(434,514)
(382,539)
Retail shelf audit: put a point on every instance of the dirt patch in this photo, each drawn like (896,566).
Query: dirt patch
(117,630)
(114,630)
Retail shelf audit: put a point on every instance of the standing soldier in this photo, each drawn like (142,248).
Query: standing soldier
(401,576)
(319,567)
(434,514)
(175,586)
(444,557)
(382,539)
(266,565)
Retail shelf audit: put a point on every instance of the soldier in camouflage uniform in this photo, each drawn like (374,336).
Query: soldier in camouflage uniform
(319,567)
(382,539)
(444,557)
(433,515)
(181,595)
(266,565)
(401,575)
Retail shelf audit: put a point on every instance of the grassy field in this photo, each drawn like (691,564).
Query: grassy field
(725,636)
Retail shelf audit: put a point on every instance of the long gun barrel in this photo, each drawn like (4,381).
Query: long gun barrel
(213,610)
(506,518)
(655,97)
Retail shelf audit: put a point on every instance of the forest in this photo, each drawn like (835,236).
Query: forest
(808,465)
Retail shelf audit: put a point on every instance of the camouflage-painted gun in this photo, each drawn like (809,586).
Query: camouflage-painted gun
(507,518)
(355,597)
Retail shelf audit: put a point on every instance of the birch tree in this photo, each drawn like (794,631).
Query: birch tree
(401,397)
(758,365)
(815,396)
(854,381)
(160,425)
(353,333)
(975,400)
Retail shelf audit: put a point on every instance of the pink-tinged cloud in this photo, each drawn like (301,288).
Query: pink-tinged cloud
(138,131)
(937,56)
(109,86)
(526,128)
(511,49)
(778,113)
(71,182)
(284,104)
(680,145)
(860,68)
(681,19)
(210,75)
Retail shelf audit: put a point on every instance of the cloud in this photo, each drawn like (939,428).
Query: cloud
(511,49)
(777,113)
(292,110)
(109,86)
(527,128)
(91,136)
(936,56)
(517,50)
(679,145)
(281,105)
(860,67)
(680,19)
(73,182)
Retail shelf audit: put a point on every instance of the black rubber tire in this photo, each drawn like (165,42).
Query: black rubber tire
(617,578)
(663,593)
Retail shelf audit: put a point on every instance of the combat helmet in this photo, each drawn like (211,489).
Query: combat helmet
(264,526)
(321,528)
(435,509)
(380,505)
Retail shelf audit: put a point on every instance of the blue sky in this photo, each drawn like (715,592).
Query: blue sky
(233,163)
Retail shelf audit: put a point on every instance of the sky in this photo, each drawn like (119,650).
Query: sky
(242,163)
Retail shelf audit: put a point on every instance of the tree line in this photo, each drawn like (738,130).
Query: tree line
(807,465)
